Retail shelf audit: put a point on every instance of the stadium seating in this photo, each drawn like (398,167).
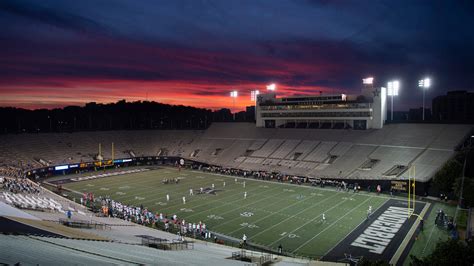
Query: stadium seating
(62,251)
(361,154)
(285,148)
(31,201)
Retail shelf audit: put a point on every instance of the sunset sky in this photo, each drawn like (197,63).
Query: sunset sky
(58,53)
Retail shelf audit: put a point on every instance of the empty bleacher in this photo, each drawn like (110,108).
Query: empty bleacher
(321,152)
(285,148)
(268,148)
(386,157)
(238,144)
(62,251)
(302,150)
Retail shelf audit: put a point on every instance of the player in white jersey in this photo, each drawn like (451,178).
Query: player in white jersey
(324,218)
(244,183)
(223,184)
(191,192)
(245,194)
(167,197)
(184,200)
(212,185)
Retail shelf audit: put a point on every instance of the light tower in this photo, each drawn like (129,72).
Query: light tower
(393,87)
(369,81)
(424,84)
(253,95)
(233,95)
(271,87)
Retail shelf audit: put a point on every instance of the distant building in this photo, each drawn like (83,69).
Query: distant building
(337,111)
(456,106)
(250,113)
(416,114)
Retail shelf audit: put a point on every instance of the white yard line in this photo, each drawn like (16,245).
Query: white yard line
(363,221)
(326,227)
(282,221)
(292,216)
(429,238)
(238,200)
(332,189)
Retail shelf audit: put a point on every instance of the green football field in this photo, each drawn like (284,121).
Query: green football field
(272,214)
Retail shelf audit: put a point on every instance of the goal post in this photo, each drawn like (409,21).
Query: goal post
(412,192)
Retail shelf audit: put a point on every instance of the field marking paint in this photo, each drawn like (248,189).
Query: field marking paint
(383,196)
(403,245)
(324,230)
(215,217)
(240,199)
(196,199)
(148,189)
(246,214)
(251,226)
(363,221)
(291,205)
(429,238)
(305,209)
(277,213)
(186,210)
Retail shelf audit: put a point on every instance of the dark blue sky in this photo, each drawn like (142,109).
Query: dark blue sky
(55,53)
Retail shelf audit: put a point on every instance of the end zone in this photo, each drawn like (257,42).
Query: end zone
(383,236)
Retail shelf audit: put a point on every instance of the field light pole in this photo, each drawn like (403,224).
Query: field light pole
(424,84)
(393,87)
(271,87)
(233,95)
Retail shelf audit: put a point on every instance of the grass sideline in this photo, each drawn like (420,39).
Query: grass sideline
(272,214)
(426,241)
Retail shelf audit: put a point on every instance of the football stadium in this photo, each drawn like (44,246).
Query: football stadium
(232,191)
(262,132)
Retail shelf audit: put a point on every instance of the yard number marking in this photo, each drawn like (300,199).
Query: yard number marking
(246,214)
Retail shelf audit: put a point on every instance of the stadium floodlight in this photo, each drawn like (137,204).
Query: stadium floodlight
(392,90)
(368,81)
(254,94)
(424,84)
(271,87)
(234,95)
